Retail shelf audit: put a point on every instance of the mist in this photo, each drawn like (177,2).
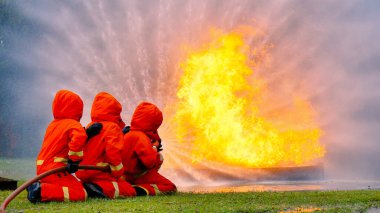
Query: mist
(132,49)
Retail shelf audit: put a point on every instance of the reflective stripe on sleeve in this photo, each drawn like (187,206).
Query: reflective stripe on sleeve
(79,154)
(102,164)
(60,160)
(39,162)
(66,196)
(116,195)
(116,168)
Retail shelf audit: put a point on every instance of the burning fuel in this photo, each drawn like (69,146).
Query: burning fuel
(222,110)
(315,89)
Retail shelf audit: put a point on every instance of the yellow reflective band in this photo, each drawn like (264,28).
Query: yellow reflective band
(155,187)
(39,162)
(85,194)
(60,160)
(79,154)
(66,193)
(116,168)
(116,195)
(102,164)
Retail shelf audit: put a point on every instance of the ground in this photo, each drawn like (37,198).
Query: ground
(300,201)
(270,201)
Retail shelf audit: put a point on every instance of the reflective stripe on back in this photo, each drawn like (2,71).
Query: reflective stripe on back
(39,162)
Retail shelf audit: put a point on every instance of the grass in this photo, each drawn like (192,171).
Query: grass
(301,201)
(326,201)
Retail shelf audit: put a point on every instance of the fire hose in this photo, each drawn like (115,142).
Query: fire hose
(39,177)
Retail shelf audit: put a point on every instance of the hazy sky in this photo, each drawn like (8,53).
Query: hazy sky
(132,49)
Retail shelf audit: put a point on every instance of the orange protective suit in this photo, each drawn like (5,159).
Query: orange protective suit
(105,148)
(64,139)
(141,160)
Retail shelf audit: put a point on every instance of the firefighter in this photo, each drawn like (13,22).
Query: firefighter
(141,152)
(63,143)
(104,149)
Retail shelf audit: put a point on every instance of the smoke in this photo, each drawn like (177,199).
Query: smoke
(131,49)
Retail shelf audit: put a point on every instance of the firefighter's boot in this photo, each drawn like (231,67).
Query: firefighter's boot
(140,191)
(34,192)
(94,191)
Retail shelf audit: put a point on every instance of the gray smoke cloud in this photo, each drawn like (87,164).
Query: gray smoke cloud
(131,49)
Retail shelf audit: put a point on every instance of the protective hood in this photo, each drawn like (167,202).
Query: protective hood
(66,105)
(106,108)
(147,117)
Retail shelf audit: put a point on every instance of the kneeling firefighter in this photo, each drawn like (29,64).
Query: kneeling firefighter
(104,149)
(62,145)
(141,153)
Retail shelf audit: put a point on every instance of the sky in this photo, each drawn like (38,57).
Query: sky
(132,49)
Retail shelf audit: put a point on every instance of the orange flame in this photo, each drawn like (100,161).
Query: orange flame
(222,110)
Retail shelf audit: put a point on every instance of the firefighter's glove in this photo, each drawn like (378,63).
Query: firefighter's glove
(158,145)
(126,129)
(72,166)
(93,130)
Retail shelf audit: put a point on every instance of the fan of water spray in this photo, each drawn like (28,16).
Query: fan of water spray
(205,82)
(252,96)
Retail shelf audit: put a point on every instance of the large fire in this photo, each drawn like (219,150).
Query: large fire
(222,110)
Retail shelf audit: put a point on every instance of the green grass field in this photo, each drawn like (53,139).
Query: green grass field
(301,201)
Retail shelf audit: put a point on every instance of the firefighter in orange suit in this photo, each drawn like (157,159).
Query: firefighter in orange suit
(62,145)
(104,149)
(141,155)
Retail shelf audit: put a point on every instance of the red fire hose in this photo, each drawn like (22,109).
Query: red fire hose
(39,177)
